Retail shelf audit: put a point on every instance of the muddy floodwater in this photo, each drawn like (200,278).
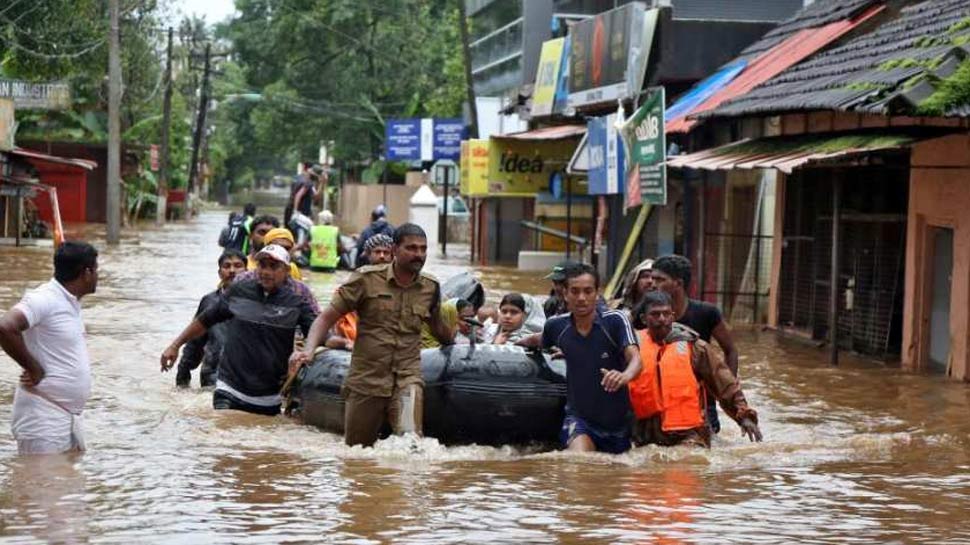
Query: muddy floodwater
(856,454)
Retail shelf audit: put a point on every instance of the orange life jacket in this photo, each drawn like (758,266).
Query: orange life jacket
(346,326)
(667,385)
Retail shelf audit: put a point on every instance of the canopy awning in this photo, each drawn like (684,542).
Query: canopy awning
(560,132)
(43,157)
(787,153)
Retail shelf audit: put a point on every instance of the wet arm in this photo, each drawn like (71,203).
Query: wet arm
(714,373)
(441,331)
(193,351)
(633,363)
(12,326)
(725,340)
(532,341)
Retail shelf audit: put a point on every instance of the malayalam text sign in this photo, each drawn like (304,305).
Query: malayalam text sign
(473,171)
(644,132)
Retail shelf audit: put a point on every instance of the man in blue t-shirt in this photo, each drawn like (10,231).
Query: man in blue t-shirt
(601,358)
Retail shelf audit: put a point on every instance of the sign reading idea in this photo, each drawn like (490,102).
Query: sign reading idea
(507,167)
(644,134)
(423,139)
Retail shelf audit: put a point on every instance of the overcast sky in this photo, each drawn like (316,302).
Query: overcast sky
(212,10)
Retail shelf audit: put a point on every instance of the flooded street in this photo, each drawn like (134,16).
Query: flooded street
(855,454)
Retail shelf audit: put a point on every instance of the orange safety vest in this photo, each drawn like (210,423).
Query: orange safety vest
(667,385)
(346,326)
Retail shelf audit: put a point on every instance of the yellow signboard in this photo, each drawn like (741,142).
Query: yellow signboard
(547,75)
(522,168)
(474,167)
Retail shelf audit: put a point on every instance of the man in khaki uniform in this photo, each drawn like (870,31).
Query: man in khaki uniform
(392,302)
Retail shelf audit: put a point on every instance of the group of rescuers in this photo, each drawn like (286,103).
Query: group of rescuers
(640,374)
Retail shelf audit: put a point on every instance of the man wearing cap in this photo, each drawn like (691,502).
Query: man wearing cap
(263,313)
(556,303)
(378,226)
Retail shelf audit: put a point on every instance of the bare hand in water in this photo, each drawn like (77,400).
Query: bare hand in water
(751,430)
(168,357)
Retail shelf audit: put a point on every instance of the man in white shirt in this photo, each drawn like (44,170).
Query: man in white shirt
(44,334)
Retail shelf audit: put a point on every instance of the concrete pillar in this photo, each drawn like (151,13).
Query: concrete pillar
(424,212)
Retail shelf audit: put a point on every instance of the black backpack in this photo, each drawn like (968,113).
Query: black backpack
(234,235)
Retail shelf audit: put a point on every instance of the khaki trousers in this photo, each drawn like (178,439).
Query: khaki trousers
(364,415)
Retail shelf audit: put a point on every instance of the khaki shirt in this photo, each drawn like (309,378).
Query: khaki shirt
(387,353)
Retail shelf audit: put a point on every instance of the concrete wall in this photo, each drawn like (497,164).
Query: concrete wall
(358,200)
(939,197)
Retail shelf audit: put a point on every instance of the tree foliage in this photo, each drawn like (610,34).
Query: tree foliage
(334,70)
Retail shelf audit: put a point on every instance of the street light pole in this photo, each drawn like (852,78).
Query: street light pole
(114,129)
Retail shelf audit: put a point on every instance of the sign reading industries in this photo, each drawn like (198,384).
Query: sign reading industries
(606,156)
(609,53)
(423,139)
(43,96)
(644,133)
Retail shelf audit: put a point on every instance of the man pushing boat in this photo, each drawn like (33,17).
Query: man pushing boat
(392,301)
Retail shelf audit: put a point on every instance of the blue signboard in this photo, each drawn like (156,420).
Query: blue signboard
(403,140)
(448,134)
(423,139)
(606,156)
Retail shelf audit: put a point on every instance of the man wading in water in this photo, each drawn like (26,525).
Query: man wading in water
(392,301)
(44,334)
(601,358)
(207,349)
(263,314)
(672,274)
(676,362)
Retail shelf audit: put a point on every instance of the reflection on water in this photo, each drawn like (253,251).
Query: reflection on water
(857,453)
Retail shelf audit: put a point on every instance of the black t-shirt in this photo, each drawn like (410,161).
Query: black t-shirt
(701,317)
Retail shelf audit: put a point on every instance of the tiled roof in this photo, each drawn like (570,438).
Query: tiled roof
(820,13)
(888,70)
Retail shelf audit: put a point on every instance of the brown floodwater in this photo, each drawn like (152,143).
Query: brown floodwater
(861,453)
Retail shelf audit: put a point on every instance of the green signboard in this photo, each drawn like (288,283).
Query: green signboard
(644,133)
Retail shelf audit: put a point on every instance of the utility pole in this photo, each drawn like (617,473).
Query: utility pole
(114,129)
(166,128)
(200,122)
(469,81)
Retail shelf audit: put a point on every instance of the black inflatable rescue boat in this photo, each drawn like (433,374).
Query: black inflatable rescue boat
(484,394)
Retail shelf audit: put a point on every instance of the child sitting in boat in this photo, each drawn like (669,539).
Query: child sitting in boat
(519,317)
